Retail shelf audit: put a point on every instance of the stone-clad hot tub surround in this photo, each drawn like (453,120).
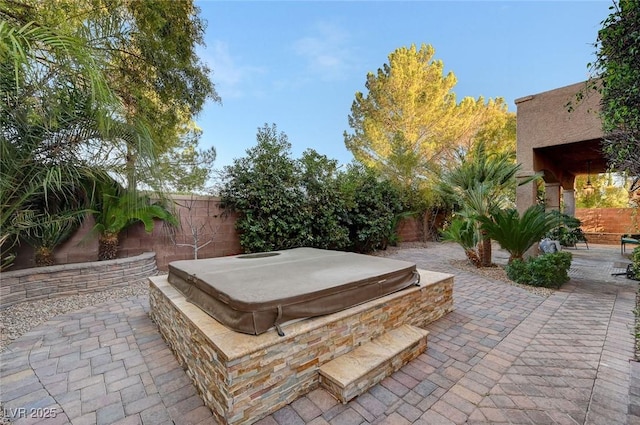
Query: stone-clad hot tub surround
(243,378)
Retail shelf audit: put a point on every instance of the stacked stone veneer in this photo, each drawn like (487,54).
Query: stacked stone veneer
(71,279)
(243,378)
(350,375)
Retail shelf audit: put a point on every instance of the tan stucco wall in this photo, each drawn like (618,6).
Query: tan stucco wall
(544,121)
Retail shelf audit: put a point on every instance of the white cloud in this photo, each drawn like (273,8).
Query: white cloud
(327,52)
(231,77)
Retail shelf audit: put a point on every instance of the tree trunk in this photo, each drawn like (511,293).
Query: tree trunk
(472,256)
(108,246)
(43,256)
(484,251)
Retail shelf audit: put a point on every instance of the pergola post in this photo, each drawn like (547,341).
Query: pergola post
(552,196)
(569,200)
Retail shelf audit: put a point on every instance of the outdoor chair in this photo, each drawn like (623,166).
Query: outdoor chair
(633,239)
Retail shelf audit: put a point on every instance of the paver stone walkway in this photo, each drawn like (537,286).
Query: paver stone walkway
(504,355)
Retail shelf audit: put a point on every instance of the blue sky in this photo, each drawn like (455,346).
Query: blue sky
(298,64)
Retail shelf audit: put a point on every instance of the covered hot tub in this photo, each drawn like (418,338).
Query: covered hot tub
(253,293)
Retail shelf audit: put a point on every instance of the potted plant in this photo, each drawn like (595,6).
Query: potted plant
(567,231)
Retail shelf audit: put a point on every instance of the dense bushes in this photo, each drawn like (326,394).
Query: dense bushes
(285,203)
(548,270)
(567,231)
(635,263)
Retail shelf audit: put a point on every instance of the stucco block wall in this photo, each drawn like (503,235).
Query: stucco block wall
(607,225)
(409,230)
(199,213)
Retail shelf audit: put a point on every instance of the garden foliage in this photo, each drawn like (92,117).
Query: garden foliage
(464,233)
(635,263)
(567,231)
(285,202)
(517,233)
(548,270)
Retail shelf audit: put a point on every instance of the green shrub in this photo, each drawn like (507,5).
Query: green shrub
(264,188)
(286,203)
(463,232)
(548,270)
(635,263)
(326,208)
(517,233)
(567,231)
(372,208)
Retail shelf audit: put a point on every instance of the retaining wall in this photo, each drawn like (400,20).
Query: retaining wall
(71,279)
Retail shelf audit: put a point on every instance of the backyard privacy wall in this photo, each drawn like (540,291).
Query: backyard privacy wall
(607,225)
(201,215)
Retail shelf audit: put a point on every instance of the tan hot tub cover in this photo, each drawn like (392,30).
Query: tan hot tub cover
(254,292)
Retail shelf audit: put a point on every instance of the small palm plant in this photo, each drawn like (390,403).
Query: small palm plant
(480,184)
(45,232)
(119,209)
(464,233)
(517,234)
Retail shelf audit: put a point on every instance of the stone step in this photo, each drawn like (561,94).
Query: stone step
(355,372)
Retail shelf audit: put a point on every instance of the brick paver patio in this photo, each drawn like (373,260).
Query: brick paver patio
(504,355)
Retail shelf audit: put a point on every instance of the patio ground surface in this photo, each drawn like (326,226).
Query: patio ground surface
(504,355)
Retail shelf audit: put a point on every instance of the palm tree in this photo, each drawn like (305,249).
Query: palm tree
(59,126)
(118,209)
(53,94)
(480,186)
(45,232)
(517,234)
(463,232)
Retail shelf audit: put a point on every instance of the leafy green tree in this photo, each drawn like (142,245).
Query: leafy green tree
(73,108)
(409,123)
(187,168)
(326,209)
(264,187)
(286,203)
(617,68)
(47,122)
(147,52)
(480,185)
(373,204)
(611,191)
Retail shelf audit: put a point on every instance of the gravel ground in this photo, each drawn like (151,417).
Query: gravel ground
(497,272)
(18,319)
